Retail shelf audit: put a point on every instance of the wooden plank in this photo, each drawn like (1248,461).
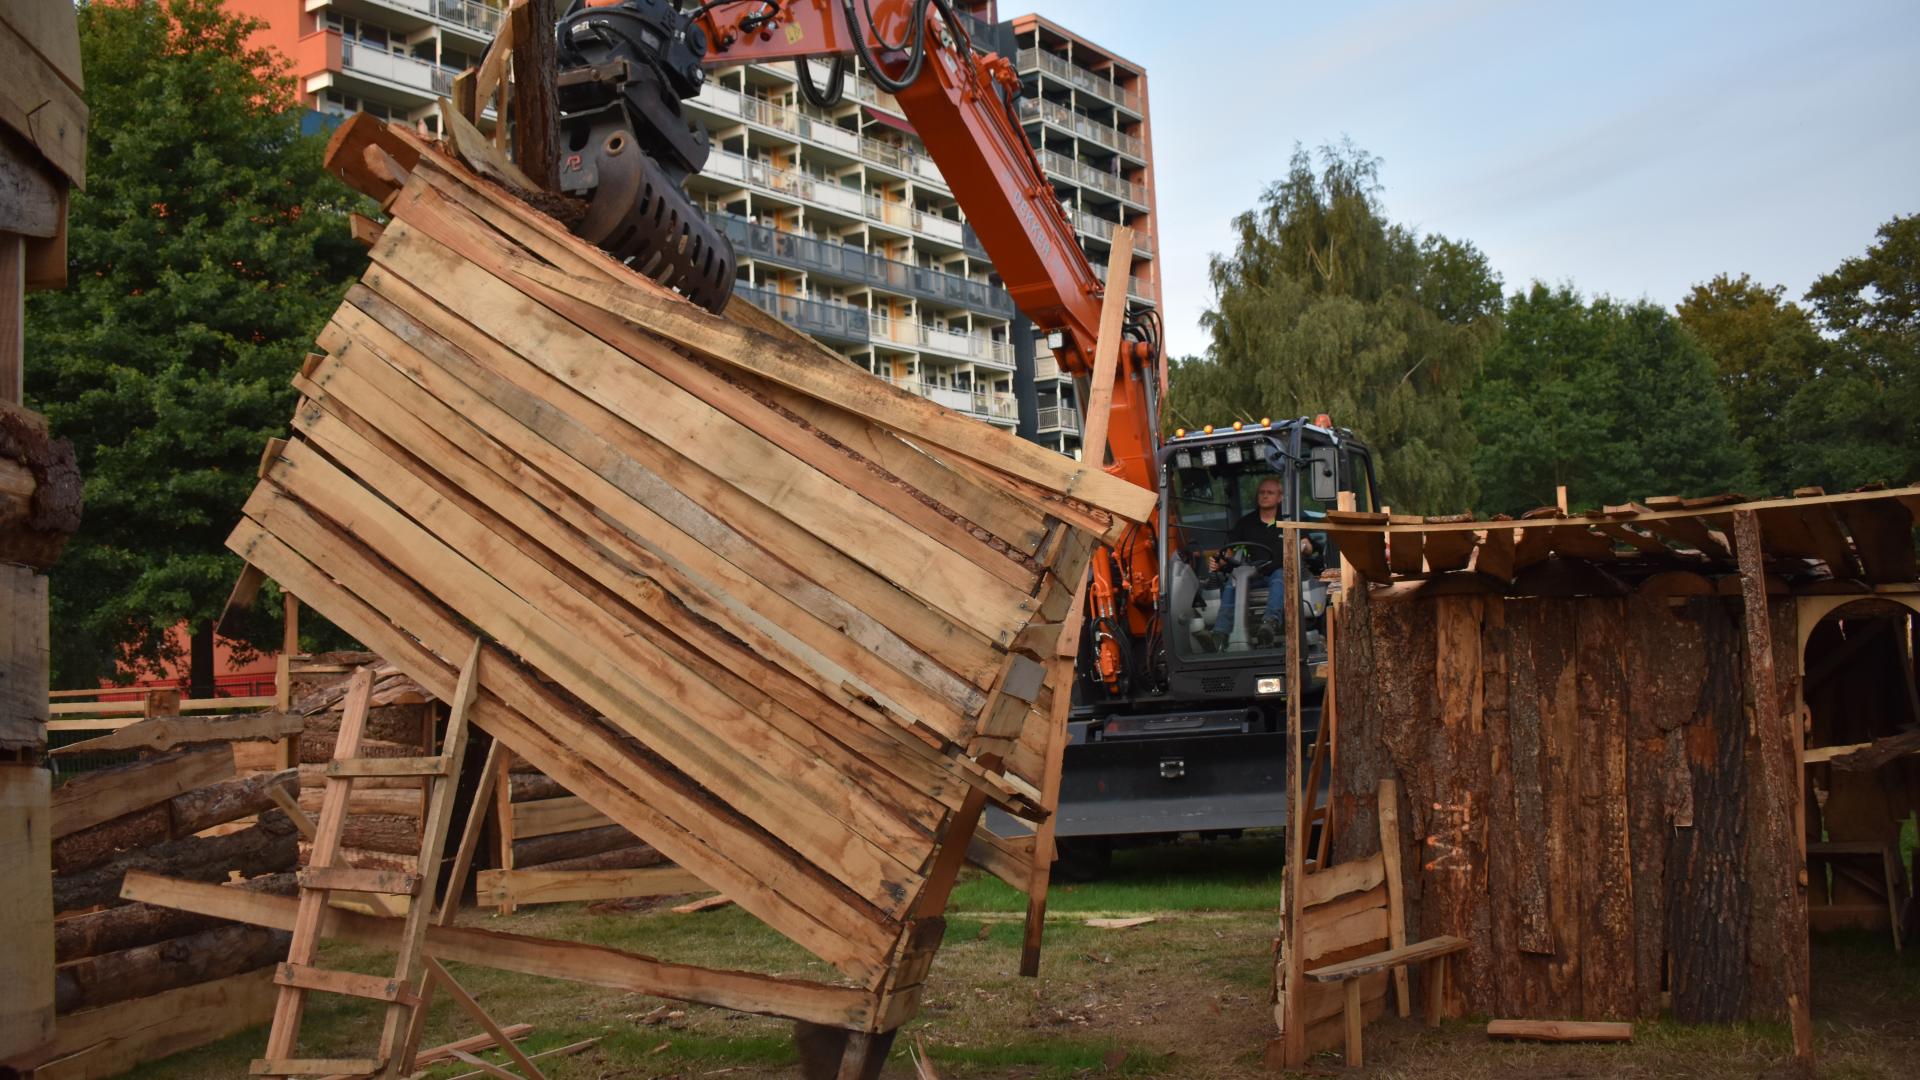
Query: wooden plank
(795,904)
(1449,550)
(347,983)
(93,1044)
(578,452)
(292,1066)
(1560,1030)
(1883,539)
(440,976)
(106,794)
(641,691)
(1406,551)
(1294,926)
(354,879)
(908,414)
(1381,961)
(557,886)
(341,768)
(26,896)
(1326,937)
(1387,806)
(167,732)
(425,249)
(573,961)
(1496,556)
(1358,875)
(37,102)
(1822,525)
(544,817)
(1106,348)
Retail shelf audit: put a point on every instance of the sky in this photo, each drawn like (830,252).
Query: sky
(1632,149)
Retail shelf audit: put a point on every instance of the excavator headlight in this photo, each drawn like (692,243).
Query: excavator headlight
(1209,459)
(1233,455)
(1268,685)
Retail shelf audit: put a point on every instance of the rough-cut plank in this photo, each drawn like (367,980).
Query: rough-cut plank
(1607,934)
(167,732)
(106,794)
(1560,1030)
(592,964)
(97,1043)
(1415,953)
(26,960)
(551,886)
(1454,875)
(548,816)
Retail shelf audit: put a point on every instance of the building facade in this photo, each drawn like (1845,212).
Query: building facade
(842,224)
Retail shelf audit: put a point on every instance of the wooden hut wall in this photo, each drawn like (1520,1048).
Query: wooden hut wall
(1586,795)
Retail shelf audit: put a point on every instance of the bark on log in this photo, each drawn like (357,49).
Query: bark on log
(318,749)
(362,859)
(391,723)
(314,777)
(1709,903)
(229,800)
(399,802)
(50,515)
(91,847)
(266,847)
(545,849)
(530,787)
(131,925)
(151,969)
(631,857)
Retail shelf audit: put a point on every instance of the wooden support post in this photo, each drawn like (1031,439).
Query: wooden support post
(1106,354)
(1436,980)
(1356,1022)
(1388,800)
(503,817)
(1560,497)
(1294,1030)
(1782,750)
(1065,651)
(287,751)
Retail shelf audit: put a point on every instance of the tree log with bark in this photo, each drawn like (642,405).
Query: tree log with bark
(131,925)
(266,847)
(152,969)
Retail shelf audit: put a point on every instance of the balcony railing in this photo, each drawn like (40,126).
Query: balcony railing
(1045,364)
(1078,77)
(1101,228)
(1138,288)
(821,318)
(849,263)
(1060,418)
(1083,125)
(1082,173)
(913,334)
(482,19)
(829,194)
(981,403)
(418,75)
(819,130)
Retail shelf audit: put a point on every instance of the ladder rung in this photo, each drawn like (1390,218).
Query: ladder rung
(314,1066)
(392,766)
(353,879)
(350,983)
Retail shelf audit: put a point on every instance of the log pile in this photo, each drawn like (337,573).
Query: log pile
(162,979)
(775,617)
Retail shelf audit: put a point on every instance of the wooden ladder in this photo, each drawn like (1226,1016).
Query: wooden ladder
(404,991)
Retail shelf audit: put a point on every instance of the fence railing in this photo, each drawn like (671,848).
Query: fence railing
(1060,418)
(415,74)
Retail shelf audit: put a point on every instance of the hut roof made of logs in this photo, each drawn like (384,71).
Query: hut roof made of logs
(1863,538)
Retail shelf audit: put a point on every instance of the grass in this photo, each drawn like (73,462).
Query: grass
(1184,996)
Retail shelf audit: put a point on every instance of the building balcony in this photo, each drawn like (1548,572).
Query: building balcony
(827,194)
(1063,418)
(1046,366)
(1102,229)
(369,70)
(975,347)
(1084,126)
(1138,288)
(843,323)
(984,404)
(1079,78)
(1065,168)
(474,20)
(845,262)
(734,105)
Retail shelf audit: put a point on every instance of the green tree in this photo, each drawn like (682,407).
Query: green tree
(1766,350)
(1325,306)
(1615,401)
(206,252)
(1858,421)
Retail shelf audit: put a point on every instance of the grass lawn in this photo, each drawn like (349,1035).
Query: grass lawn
(1184,996)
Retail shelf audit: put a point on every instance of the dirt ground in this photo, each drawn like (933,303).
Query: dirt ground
(1183,996)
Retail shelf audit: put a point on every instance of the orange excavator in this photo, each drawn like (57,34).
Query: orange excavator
(1170,664)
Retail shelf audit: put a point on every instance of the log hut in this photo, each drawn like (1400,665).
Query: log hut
(1639,751)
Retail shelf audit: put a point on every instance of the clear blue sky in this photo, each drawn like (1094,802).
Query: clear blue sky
(1628,148)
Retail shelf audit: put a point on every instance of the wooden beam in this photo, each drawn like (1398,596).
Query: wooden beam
(1292,978)
(1560,1030)
(556,886)
(167,732)
(573,961)
(1106,349)
(94,797)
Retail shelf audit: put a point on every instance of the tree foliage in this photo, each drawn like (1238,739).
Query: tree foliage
(1615,401)
(1766,349)
(1325,306)
(205,254)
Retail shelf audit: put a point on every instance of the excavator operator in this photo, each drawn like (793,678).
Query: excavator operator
(1262,536)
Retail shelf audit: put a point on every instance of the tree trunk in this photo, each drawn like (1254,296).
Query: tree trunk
(541,850)
(200,675)
(631,857)
(151,969)
(267,847)
(229,800)
(131,925)
(383,832)
(91,847)
(528,787)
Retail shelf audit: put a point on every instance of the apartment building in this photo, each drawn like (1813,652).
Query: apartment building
(843,225)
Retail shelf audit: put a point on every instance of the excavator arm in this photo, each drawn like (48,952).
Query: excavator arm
(632,56)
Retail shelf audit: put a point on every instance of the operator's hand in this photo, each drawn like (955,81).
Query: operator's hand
(1217,561)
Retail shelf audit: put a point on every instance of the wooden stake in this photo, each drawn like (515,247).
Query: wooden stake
(1106,351)
(1065,652)
(1294,1032)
